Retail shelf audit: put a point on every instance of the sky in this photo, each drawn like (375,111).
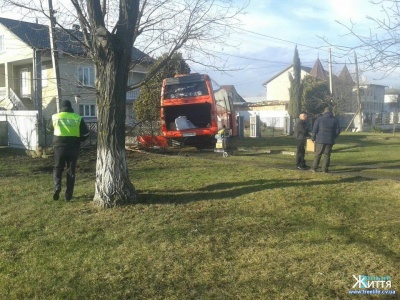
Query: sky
(272,28)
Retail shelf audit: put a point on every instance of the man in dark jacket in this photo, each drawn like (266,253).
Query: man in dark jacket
(325,131)
(69,131)
(301,133)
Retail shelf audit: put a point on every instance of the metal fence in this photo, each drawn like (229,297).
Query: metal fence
(48,135)
(267,127)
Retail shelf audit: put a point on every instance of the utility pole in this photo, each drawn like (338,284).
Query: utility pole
(37,66)
(359,111)
(54,55)
(330,72)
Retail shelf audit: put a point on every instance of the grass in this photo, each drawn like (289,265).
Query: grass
(248,226)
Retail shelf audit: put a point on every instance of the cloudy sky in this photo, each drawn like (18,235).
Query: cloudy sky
(272,28)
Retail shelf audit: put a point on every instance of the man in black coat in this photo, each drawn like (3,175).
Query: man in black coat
(301,133)
(325,131)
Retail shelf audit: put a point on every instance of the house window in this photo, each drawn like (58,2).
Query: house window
(2,46)
(87,110)
(44,77)
(134,78)
(24,83)
(86,76)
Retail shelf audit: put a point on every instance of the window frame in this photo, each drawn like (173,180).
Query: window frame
(24,83)
(45,81)
(87,110)
(85,75)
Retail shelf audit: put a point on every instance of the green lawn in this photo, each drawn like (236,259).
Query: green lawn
(248,226)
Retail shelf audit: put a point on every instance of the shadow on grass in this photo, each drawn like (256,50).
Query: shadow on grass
(354,227)
(373,244)
(6,152)
(228,190)
(377,164)
(369,166)
(345,149)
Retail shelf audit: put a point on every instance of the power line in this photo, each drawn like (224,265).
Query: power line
(283,40)
(319,48)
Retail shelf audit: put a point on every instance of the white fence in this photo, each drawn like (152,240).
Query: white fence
(277,119)
(22,129)
(385,120)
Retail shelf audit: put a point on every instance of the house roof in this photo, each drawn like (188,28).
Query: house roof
(305,69)
(367,85)
(392,91)
(37,36)
(228,88)
(345,75)
(318,71)
(231,89)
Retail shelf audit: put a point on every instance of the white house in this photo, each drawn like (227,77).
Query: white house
(391,100)
(372,96)
(277,87)
(27,76)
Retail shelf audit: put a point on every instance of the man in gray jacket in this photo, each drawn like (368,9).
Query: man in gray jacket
(325,131)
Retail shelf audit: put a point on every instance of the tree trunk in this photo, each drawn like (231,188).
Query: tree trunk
(113,186)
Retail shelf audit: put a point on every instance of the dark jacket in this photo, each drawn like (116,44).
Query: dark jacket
(326,129)
(301,131)
(69,141)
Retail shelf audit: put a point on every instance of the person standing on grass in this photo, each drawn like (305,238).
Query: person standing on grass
(69,131)
(325,131)
(301,133)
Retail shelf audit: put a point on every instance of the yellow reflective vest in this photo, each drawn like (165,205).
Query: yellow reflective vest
(66,124)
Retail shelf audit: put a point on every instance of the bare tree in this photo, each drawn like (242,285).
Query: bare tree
(342,96)
(157,26)
(378,47)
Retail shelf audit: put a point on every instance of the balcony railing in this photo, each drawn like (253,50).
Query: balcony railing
(132,95)
(17,103)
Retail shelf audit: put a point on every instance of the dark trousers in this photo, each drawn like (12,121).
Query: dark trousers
(324,150)
(65,157)
(300,153)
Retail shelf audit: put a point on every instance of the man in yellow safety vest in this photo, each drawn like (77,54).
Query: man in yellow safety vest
(69,131)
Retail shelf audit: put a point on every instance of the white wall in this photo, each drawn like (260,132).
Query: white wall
(15,49)
(270,117)
(278,88)
(22,129)
(391,103)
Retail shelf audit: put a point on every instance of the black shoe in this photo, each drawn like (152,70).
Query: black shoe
(68,197)
(301,168)
(56,195)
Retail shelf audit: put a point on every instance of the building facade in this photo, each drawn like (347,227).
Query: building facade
(28,78)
